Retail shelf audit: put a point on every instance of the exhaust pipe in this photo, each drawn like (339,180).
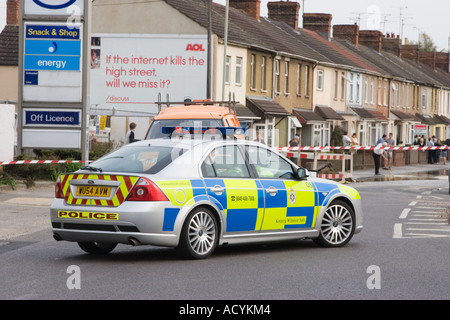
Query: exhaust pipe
(133,241)
(57,237)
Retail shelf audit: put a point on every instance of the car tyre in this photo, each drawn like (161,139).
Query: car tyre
(97,247)
(338,225)
(199,235)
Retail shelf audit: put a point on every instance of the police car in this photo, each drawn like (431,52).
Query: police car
(197,194)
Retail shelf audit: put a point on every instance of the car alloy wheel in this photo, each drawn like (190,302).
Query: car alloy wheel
(199,236)
(338,225)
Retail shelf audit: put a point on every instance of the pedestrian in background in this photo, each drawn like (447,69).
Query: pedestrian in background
(389,153)
(430,144)
(295,142)
(130,138)
(346,141)
(354,140)
(378,155)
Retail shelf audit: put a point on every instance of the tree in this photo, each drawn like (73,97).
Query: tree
(426,43)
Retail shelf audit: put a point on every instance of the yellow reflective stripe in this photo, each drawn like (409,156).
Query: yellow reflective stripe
(259,219)
(303,192)
(241,194)
(352,193)
(179,192)
(276,219)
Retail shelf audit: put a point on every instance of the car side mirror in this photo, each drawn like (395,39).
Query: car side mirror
(302,173)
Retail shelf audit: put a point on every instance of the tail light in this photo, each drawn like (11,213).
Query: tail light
(146,190)
(58,189)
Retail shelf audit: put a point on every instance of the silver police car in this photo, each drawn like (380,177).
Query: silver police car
(197,194)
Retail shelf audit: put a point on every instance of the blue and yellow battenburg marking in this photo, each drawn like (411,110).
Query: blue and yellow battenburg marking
(247,204)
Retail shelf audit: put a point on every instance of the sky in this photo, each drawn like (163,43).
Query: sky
(431,16)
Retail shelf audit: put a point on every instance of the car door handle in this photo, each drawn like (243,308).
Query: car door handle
(272,191)
(217,190)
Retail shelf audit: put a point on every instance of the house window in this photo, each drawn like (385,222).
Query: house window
(320,80)
(321,135)
(238,70)
(358,88)
(424,98)
(299,79)
(372,91)
(307,81)
(350,94)
(263,74)
(343,86)
(286,77)
(385,93)
(227,69)
(336,84)
(277,76)
(380,92)
(366,90)
(252,71)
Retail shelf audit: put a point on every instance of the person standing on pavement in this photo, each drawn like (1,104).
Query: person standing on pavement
(389,153)
(346,141)
(430,144)
(378,154)
(130,134)
(295,142)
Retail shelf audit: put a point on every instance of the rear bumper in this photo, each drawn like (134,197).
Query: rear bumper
(166,240)
(143,222)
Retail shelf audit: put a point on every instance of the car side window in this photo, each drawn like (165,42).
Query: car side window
(268,164)
(225,162)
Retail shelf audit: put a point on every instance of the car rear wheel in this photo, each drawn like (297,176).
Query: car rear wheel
(199,235)
(97,247)
(338,225)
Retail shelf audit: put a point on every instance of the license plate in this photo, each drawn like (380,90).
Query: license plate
(90,191)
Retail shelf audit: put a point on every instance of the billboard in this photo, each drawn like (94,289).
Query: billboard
(129,71)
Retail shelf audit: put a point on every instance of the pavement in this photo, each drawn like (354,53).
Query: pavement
(407,172)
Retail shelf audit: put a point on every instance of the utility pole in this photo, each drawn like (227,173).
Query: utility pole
(225,42)
(208,66)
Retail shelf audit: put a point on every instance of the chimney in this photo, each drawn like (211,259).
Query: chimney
(318,22)
(371,38)
(349,32)
(12,12)
(391,44)
(428,58)
(443,61)
(251,7)
(410,52)
(284,11)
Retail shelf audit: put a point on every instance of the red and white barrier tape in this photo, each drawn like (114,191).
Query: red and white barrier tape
(40,161)
(290,149)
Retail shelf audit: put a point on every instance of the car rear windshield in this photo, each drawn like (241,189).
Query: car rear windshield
(155,130)
(137,159)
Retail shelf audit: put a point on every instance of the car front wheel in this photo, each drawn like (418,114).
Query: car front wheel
(199,235)
(338,225)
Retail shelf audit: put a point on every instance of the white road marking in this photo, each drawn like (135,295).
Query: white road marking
(404,213)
